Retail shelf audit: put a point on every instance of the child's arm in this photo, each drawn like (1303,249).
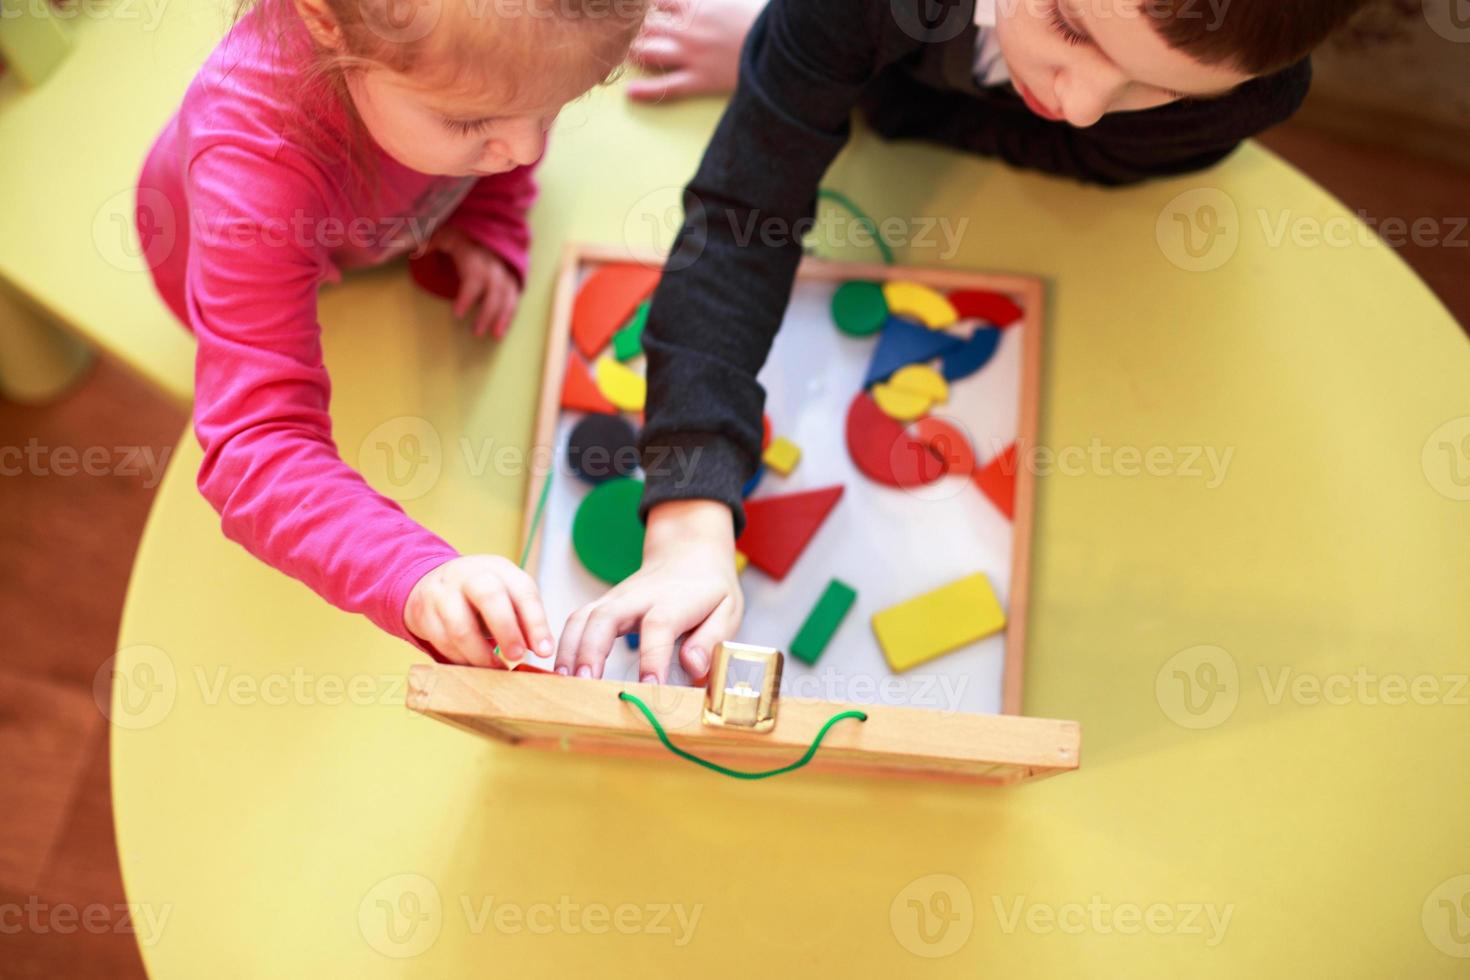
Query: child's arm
(722,297)
(271,467)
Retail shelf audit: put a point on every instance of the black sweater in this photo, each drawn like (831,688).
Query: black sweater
(804,68)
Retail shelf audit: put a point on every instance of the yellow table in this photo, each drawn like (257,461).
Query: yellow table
(71,276)
(1252,801)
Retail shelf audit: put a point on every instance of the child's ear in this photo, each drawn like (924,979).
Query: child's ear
(321,23)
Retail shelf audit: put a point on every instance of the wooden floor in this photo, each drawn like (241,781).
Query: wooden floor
(68,543)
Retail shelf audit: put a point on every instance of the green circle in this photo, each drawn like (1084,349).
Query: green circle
(859,308)
(606,533)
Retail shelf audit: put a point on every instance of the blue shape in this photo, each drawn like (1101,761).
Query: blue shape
(905,342)
(754,481)
(972,355)
(632,639)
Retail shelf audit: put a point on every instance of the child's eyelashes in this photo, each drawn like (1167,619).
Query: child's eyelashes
(467,127)
(1059,24)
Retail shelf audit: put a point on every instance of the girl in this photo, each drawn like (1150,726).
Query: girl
(330,134)
(1107,91)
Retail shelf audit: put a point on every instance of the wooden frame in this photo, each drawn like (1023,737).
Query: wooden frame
(586,715)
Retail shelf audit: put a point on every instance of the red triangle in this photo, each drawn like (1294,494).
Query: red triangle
(778,529)
(606,300)
(997,480)
(992,307)
(579,392)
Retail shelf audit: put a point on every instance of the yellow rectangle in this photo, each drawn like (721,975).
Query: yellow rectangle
(937,622)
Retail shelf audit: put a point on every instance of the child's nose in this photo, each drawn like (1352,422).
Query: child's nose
(1087,96)
(522,146)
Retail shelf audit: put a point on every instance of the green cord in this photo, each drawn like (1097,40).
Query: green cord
(862,218)
(535,525)
(536,519)
(736,773)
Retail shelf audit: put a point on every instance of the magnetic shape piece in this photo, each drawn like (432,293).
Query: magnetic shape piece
(753,482)
(911,392)
(782,455)
(859,309)
(601,447)
(608,297)
(935,623)
(918,301)
(579,392)
(883,452)
(606,532)
(620,384)
(997,480)
(906,342)
(996,308)
(778,529)
(740,562)
(434,272)
(900,405)
(948,442)
(972,355)
(921,379)
(632,639)
(628,341)
(822,622)
(765,431)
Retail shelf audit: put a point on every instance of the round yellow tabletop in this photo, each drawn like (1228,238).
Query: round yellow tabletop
(1250,563)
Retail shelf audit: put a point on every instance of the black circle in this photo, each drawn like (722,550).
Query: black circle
(602,447)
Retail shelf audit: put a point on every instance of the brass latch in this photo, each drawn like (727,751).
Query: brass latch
(744,686)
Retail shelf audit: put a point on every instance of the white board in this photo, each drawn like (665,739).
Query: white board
(889,544)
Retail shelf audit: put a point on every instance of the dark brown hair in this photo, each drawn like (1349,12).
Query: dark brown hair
(1253,36)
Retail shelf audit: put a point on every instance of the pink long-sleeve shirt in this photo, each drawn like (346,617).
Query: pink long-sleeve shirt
(242,215)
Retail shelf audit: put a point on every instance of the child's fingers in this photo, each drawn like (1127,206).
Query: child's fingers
(571,635)
(657,51)
(527,602)
(471,285)
(491,308)
(462,634)
(660,632)
(699,645)
(660,88)
(606,621)
(495,608)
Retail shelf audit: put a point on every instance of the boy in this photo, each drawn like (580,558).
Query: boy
(1107,91)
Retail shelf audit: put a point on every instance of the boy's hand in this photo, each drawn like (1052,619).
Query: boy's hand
(687,585)
(483,277)
(451,607)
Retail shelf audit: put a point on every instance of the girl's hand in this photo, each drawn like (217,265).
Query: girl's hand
(451,606)
(687,585)
(483,277)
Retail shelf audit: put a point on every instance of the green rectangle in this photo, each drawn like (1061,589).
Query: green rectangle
(822,622)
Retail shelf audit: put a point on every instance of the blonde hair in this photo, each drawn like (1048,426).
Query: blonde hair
(501,49)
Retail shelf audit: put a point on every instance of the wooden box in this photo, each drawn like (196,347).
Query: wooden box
(992,745)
